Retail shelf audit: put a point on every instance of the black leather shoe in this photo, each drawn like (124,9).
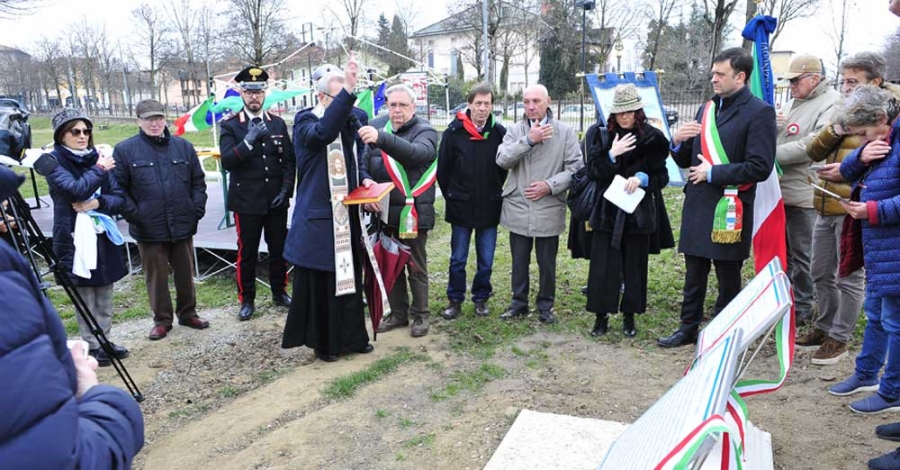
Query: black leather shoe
(119,351)
(281,300)
(628,328)
(366,349)
(247,310)
(546,317)
(511,313)
(481,309)
(102,358)
(326,357)
(452,311)
(584,290)
(601,325)
(679,338)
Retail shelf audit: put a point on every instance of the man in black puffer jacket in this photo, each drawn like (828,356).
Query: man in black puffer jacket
(472,183)
(404,144)
(165,197)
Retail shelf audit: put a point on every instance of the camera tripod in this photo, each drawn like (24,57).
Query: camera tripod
(28,239)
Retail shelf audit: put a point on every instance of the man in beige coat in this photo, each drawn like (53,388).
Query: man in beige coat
(541,155)
(808,112)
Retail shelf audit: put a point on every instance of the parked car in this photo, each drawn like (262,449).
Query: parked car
(458,108)
(516,110)
(574,111)
(671,115)
(422,111)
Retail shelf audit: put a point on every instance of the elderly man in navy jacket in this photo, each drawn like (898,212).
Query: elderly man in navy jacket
(330,318)
(55,415)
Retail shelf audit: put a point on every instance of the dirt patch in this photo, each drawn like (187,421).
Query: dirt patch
(230,398)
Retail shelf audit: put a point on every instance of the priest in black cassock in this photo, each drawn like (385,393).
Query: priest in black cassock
(323,242)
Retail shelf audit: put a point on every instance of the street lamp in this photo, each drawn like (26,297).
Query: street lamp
(619,48)
(585,5)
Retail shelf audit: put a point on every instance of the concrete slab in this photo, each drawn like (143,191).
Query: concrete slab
(547,441)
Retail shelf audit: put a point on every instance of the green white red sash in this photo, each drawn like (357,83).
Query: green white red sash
(729,214)
(681,455)
(409,217)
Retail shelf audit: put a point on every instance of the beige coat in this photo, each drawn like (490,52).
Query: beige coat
(553,161)
(805,119)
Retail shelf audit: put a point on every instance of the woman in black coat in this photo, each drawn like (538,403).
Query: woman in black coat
(81,180)
(622,242)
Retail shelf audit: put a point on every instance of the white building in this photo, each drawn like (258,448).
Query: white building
(441,45)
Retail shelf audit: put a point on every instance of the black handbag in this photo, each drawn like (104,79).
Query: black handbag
(582,195)
(583,191)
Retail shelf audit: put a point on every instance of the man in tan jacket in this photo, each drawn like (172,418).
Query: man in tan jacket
(840,297)
(541,155)
(808,111)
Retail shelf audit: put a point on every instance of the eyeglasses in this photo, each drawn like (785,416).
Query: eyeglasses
(78,132)
(254,92)
(796,80)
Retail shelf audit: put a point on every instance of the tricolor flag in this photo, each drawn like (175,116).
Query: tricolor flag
(197,119)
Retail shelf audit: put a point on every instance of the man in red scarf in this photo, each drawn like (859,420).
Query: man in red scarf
(471,182)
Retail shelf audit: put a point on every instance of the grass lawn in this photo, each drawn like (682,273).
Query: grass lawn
(480,336)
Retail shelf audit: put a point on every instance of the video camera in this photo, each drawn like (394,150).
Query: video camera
(15,131)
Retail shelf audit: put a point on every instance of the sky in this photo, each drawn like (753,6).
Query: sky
(870,23)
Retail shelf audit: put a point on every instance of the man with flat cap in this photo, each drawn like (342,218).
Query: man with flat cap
(257,151)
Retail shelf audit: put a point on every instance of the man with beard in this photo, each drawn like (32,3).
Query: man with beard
(257,151)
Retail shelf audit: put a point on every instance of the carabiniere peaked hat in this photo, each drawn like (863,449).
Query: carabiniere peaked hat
(252,78)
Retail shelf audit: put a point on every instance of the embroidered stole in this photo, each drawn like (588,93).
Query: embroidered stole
(409,217)
(728,220)
(338,185)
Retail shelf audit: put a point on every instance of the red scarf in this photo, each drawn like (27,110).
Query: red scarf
(470,126)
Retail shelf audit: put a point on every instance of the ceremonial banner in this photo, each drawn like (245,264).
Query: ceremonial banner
(345,275)
(603,88)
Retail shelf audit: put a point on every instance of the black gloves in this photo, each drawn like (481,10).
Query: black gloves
(255,131)
(280,201)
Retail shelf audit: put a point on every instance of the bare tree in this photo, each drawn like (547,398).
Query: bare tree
(256,30)
(13,8)
(716,13)
(52,63)
(86,37)
(785,10)
(151,37)
(615,20)
(659,13)
(840,28)
(408,12)
(355,16)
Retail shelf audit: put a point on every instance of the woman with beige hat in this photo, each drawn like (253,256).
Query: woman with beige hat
(622,242)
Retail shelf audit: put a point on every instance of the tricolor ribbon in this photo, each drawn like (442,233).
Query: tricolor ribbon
(469,126)
(409,217)
(680,457)
(728,219)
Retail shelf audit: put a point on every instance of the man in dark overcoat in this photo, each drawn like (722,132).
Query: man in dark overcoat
(257,152)
(747,131)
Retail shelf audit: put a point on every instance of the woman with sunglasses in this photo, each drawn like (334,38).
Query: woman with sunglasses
(81,181)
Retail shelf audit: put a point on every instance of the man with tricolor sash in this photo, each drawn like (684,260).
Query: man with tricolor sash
(325,242)
(402,148)
(728,151)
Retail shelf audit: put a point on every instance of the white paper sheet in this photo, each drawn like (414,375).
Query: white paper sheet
(617,195)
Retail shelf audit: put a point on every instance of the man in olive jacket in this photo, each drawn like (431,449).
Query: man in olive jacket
(411,143)
(541,155)
(747,131)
